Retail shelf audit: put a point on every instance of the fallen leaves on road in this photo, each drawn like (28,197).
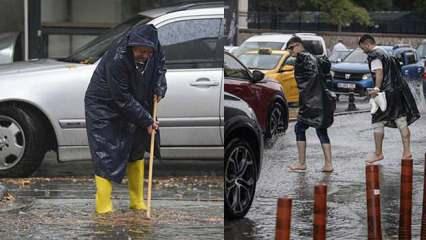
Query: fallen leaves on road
(9,197)
(20,181)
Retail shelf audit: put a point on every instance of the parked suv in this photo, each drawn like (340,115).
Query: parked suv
(243,156)
(41,102)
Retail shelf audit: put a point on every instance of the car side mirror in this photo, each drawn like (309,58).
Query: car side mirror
(287,68)
(257,76)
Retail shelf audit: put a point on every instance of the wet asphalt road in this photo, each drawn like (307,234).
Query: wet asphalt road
(58,202)
(351,138)
(63,208)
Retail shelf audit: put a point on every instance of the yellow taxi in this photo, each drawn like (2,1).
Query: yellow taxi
(277,65)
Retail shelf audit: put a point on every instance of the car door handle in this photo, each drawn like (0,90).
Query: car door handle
(204,82)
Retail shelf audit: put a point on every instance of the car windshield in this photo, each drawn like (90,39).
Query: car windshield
(258,45)
(260,61)
(338,55)
(357,56)
(94,50)
(421,51)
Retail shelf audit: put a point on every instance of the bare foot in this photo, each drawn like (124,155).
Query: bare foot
(297,167)
(407,156)
(327,169)
(373,157)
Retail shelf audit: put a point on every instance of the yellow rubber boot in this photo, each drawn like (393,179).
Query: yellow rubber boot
(103,195)
(135,174)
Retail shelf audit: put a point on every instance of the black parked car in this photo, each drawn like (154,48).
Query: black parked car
(243,156)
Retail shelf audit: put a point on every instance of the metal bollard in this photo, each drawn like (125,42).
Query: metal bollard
(373,202)
(282,230)
(406,205)
(320,211)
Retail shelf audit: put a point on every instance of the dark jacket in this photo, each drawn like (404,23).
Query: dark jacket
(118,103)
(400,101)
(316,106)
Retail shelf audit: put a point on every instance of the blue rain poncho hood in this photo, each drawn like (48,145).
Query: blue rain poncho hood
(145,36)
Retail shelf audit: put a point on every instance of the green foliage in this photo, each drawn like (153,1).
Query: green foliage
(375,5)
(342,12)
(420,6)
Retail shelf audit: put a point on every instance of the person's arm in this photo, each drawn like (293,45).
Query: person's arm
(379,78)
(377,68)
(118,82)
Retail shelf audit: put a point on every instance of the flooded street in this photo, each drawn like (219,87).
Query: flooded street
(61,205)
(352,139)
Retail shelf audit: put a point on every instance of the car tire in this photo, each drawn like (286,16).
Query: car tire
(276,120)
(240,180)
(22,141)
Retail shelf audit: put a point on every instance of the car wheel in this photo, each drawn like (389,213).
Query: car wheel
(22,142)
(240,178)
(276,120)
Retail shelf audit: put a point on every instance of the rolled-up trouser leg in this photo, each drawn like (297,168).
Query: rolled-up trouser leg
(323,135)
(401,122)
(300,130)
(379,127)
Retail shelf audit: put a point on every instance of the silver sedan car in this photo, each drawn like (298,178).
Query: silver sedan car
(41,101)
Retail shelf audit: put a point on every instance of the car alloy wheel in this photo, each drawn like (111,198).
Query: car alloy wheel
(275,120)
(12,142)
(240,179)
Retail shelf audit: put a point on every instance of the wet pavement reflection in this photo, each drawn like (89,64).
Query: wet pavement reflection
(352,139)
(63,208)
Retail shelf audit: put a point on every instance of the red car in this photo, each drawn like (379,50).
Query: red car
(264,96)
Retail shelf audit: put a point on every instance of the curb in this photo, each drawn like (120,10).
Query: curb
(352,112)
(338,114)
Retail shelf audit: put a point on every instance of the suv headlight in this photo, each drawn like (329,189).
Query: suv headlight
(366,76)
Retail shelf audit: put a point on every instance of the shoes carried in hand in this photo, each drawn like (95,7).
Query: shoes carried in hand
(378,102)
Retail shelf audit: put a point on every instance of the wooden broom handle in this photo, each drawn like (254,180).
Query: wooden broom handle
(151,159)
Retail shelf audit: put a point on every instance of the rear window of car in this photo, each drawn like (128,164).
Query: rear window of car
(313,46)
(259,61)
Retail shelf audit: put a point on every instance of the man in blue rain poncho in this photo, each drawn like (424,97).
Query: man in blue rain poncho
(118,105)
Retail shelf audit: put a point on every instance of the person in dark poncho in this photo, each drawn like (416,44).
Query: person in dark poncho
(316,108)
(401,108)
(118,107)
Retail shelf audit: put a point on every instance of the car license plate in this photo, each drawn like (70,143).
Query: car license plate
(346,85)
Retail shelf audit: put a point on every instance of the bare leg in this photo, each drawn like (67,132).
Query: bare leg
(405,136)
(300,165)
(328,165)
(378,154)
